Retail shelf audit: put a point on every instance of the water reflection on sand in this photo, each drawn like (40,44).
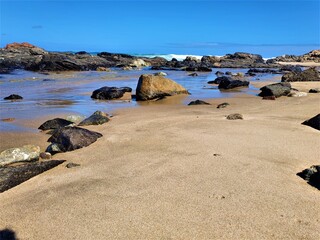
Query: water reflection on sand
(69,92)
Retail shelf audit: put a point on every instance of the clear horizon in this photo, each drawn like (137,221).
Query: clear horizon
(269,28)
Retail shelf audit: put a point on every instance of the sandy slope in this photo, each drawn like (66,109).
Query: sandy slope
(181,172)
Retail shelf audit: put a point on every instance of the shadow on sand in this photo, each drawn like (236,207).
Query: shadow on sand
(7,234)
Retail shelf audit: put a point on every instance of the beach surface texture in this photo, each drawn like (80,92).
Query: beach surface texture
(167,171)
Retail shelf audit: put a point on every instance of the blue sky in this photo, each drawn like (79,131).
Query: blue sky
(184,27)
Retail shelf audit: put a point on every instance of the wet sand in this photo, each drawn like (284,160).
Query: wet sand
(168,171)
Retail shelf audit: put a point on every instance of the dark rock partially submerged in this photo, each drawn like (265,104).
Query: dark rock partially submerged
(109,93)
(229,84)
(54,124)
(72,138)
(12,176)
(313,122)
(311,175)
(198,102)
(223,105)
(13,97)
(275,89)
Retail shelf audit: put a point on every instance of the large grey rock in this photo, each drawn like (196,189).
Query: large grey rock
(11,176)
(313,122)
(275,89)
(152,87)
(96,118)
(55,123)
(311,175)
(72,138)
(26,153)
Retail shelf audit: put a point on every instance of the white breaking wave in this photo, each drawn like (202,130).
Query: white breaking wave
(168,57)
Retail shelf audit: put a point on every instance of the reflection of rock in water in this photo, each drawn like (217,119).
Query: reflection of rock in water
(56,102)
(60,90)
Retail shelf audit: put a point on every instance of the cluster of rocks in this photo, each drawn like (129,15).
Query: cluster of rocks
(20,164)
(29,57)
(313,56)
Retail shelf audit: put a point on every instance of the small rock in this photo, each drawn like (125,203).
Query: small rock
(193,74)
(314,90)
(234,116)
(223,105)
(45,155)
(160,74)
(72,165)
(53,148)
(74,118)
(102,69)
(198,102)
(219,73)
(109,93)
(13,97)
(27,153)
(97,118)
(7,119)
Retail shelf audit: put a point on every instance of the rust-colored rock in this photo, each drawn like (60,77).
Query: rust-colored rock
(19,45)
(152,87)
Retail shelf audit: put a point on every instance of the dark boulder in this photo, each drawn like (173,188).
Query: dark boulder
(13,97)
(262,70)
(72,138)
(313,122)
(11,176)
(198,69)
(311,175)
(96,118)
(219,79)
(229,84)
(109,93)
(55,123)
(198,102)
(291,68)
(275,89)
(310,74)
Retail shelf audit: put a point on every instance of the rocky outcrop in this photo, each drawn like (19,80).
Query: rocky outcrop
(27,153)
(198,102)
(97,118)
(54,124)
(275,89)
(311,175)
(313,56)
(310,74)
(13,97)
(109,93)
(313,122)
(11,176)
(72,138)
(152,87)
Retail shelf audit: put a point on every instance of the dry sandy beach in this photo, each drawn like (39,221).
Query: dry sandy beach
(164,171)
